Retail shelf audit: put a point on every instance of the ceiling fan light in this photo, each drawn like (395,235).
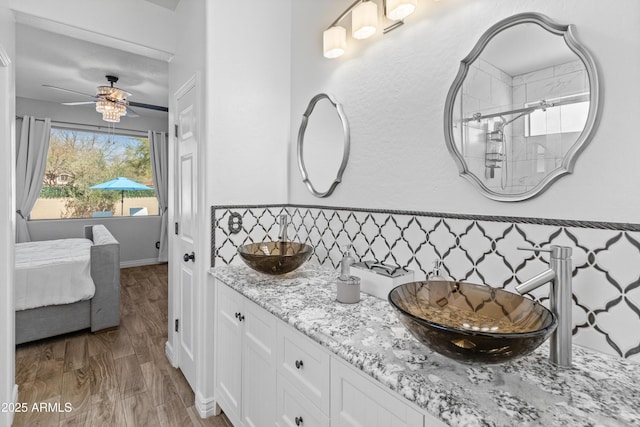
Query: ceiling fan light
(111,116)
(364,20)
(101,105)
(397,10)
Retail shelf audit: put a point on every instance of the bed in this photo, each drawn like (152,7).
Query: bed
(67,285)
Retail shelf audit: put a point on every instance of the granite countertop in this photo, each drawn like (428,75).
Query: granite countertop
(599,390)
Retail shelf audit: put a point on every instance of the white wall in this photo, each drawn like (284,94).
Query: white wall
(243,73)
(137,236)
(189,62)
(249,95)
(132,22)
(393,89)
(7,214)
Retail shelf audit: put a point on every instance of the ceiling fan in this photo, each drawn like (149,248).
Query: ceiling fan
(111,101)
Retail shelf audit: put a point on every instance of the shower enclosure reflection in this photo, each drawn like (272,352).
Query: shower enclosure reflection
(523,105)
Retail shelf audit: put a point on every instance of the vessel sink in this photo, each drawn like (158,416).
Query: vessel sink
(275,257)
(471,323)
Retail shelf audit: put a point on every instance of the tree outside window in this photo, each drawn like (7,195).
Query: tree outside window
(78,160)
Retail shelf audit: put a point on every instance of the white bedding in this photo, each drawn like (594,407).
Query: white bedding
(53,272)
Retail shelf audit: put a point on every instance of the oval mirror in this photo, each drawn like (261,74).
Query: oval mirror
(323,145)
(523,106)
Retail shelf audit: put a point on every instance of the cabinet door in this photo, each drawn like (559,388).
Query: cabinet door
(294,410)
(357,401)
(228,351)
(258,367)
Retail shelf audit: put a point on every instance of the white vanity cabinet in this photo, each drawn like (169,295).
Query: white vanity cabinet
(245,360)
(270,374)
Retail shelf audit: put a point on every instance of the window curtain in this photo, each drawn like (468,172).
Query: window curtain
(31,161)
(159,151)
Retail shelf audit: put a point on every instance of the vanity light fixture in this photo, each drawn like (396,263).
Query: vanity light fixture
(364,23)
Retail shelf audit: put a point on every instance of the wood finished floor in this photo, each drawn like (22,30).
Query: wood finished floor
(119,378)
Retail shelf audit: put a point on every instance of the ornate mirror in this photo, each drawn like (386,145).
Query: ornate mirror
(523,106)
(323,145)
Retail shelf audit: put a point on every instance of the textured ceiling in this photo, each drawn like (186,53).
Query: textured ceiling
(54,59)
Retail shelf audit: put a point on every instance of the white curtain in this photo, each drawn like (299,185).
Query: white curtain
(31,161)
(159,151)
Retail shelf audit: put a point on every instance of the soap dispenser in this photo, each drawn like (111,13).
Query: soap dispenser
(348,287)
(345,264)
(436,273)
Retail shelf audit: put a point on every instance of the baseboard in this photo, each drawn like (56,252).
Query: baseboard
(139,262)
(168,351)
(206,407)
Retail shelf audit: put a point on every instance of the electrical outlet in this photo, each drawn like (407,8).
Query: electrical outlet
(235,223)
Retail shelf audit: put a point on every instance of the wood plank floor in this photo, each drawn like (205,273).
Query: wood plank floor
(118,378)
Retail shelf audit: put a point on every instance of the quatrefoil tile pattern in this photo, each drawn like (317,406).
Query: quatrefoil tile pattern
(606,257)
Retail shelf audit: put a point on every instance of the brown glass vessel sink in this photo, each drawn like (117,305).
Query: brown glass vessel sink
(472,323)
(275,257)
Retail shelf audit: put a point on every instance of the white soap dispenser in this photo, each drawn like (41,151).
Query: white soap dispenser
(345,264)
(436,273)
(348,287)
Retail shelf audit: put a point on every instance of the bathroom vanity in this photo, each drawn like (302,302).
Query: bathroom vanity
(288,354)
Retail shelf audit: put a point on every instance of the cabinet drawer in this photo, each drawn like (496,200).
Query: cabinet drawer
(305,364)
(294,410)
(357,400)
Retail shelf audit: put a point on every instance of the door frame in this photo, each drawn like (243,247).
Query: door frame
(174,301)
(8,388)
(205,402)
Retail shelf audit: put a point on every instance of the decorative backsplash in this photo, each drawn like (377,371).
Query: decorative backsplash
(479,249)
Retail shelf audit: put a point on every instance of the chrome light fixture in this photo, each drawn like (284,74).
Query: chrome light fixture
(364,23)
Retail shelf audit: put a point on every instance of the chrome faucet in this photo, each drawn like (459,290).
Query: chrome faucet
(559,274)
(282,232)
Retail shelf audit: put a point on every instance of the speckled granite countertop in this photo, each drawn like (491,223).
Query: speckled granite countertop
(599,390)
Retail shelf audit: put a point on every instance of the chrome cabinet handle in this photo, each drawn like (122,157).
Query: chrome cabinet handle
(191,256)
(299,421)
(299,364)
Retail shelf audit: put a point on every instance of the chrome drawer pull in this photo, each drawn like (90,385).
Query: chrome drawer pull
(299,365)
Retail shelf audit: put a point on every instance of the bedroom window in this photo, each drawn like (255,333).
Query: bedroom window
(78,160)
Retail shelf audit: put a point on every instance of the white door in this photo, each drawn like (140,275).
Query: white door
(186,237)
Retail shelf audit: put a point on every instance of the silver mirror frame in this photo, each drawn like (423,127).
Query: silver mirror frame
(346,144)
(569,160)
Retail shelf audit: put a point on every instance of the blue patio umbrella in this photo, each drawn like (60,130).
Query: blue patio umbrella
(121,184)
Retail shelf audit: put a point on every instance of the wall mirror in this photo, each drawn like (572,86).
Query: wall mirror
(323,145)
(522,107)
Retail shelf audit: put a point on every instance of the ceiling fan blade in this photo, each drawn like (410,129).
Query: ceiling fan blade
(68,90)
(131,113)
(79,103)
(148,106)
